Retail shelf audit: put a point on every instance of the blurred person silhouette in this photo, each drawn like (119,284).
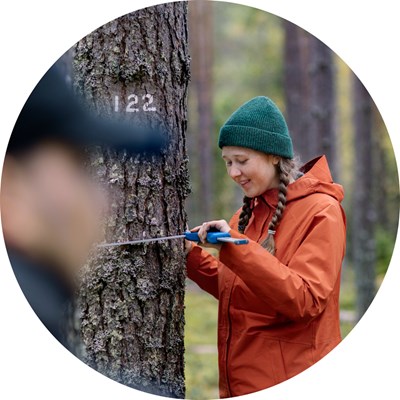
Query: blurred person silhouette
(50,206)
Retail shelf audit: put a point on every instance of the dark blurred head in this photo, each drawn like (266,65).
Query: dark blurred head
(51,208)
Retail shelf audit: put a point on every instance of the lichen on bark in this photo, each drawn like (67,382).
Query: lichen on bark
(132,299)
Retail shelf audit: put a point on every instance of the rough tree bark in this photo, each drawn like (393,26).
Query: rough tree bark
(132,300)
(322,102)
(201,43)
(363,213)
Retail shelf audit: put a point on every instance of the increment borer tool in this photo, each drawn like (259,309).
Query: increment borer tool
(212,237)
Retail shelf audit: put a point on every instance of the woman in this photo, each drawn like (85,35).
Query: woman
(278,295)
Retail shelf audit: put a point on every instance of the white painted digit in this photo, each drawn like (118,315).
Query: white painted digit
(149,101)
(116,106)
(130,107)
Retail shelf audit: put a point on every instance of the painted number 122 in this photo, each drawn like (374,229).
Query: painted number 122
(133,103)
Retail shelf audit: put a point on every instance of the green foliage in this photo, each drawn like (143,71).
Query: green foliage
(347,289)
(345,328)
(248,57)
(384,250)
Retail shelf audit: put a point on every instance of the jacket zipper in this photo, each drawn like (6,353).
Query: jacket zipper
(228,339)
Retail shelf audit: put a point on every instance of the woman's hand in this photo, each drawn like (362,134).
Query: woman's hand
(220,225)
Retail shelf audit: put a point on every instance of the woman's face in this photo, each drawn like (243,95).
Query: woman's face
(255,172)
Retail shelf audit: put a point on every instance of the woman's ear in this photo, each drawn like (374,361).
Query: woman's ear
(275,160)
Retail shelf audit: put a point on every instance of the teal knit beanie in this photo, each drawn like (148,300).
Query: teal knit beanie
(258,125)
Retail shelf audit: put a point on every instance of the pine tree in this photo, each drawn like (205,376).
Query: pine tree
(132,299)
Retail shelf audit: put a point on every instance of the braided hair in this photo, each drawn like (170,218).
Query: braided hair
(287,169)
(245,215)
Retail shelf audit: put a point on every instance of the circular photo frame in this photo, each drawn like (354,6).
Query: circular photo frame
(227,121)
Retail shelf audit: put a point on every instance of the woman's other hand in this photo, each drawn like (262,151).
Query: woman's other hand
(219,225)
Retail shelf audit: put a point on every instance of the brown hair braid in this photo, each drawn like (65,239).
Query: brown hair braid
(287,169)
(245,215)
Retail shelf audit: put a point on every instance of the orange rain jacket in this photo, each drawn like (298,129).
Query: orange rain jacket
(278,315)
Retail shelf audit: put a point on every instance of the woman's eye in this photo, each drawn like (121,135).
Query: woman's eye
(241,162)
(228,163)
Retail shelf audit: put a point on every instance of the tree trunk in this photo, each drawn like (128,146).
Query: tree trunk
(380,179)
(363,213)
(132,300)
(296,78)
(201,45)
(322,103)
(310,95)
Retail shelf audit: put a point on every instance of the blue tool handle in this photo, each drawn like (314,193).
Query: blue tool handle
(212,237)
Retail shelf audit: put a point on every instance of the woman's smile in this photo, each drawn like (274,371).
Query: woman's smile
(244,183)
(255,172)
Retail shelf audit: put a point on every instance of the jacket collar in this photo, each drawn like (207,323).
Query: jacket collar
(317,178)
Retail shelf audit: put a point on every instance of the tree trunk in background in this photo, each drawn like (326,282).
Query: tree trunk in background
(322,103)
(296,87)
(310,96)
(133,299)
(380,178)
(201,44)
(363,211)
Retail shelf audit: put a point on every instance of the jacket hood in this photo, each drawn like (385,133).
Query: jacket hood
(317,178)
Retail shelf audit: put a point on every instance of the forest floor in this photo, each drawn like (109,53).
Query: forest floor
(201,356)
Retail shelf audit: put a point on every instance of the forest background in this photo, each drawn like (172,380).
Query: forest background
(237,53)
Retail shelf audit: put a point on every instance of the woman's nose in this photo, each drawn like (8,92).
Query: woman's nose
(234,172)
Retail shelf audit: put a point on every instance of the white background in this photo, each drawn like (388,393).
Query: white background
(34,34)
